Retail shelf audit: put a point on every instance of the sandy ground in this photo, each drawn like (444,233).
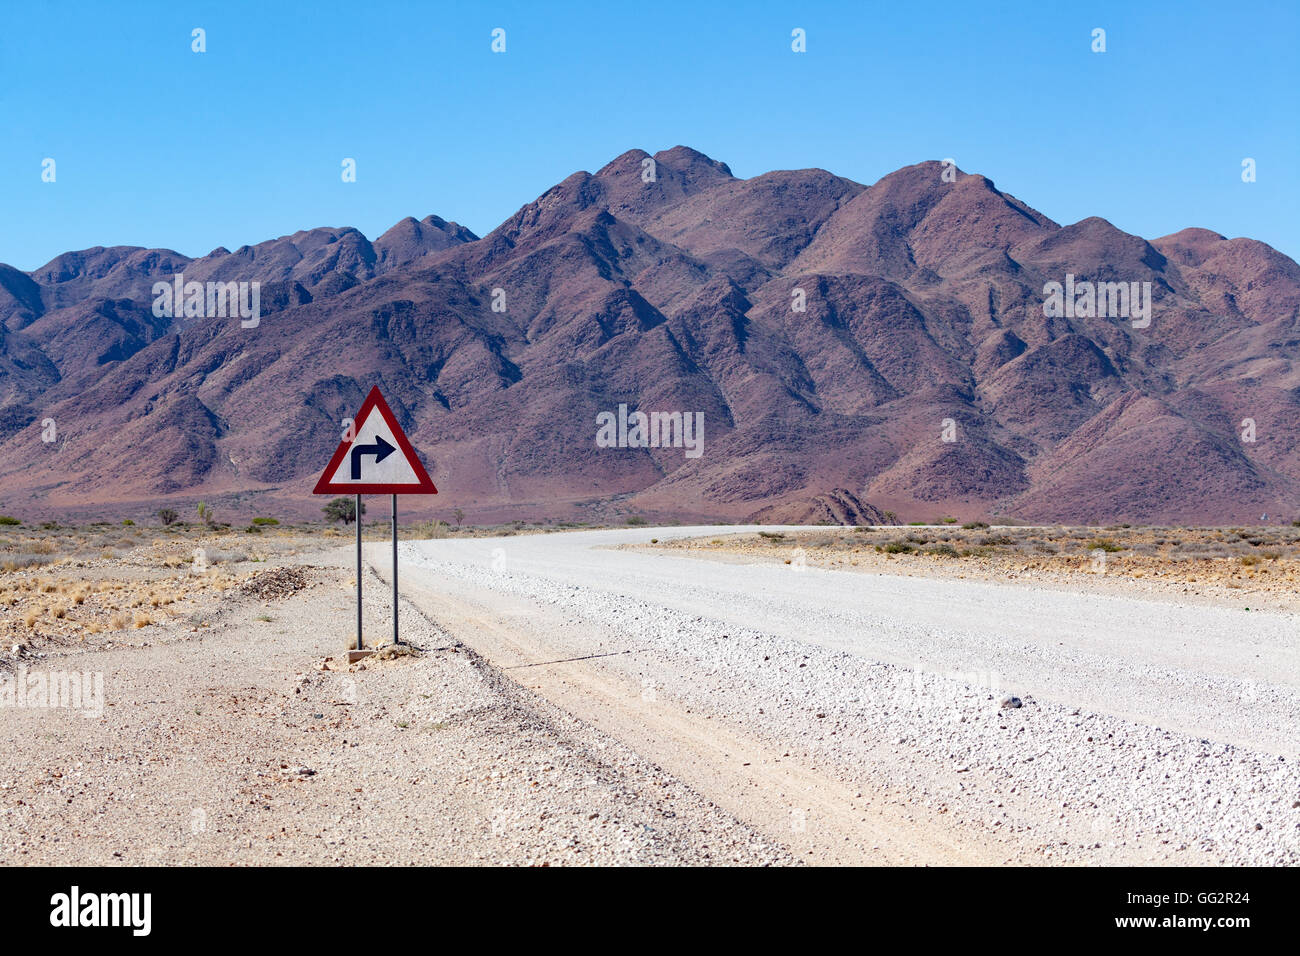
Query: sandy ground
(228,744)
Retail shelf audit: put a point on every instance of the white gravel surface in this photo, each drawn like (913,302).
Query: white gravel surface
(1150,731)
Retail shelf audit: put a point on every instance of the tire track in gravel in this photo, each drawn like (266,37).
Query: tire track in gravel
(820,819)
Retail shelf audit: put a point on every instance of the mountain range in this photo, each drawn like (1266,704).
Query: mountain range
(854,350)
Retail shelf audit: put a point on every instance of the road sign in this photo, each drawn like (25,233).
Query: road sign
(377,460)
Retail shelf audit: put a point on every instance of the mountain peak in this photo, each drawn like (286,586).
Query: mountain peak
(693,164)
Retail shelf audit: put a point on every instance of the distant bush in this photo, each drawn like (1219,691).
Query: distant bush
(343,509)
(16,562)
(772,535)
(7,519)
(265,521)
(972,525)
(167,516)
(636,520)
(898,547)
(431,529)
(1105,544)
(942,551)
(127,522)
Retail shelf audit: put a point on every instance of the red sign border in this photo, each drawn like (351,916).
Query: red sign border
(425,487)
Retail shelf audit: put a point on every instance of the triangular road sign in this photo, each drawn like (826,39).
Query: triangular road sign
(377,460)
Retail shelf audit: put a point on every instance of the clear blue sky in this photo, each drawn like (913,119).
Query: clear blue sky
(159,146)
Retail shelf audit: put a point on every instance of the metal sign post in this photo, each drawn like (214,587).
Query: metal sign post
(357,518)
(396,639)
(375,458)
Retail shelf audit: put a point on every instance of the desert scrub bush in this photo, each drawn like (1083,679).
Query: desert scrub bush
(9,520)
(226,557)
(636,520)
(772,535)
(266,522)
(942,551)
(898,547)
(16,562)
(995,540)
(1105,544)
(973,525)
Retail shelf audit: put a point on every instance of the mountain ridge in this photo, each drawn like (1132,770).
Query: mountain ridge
(664,282)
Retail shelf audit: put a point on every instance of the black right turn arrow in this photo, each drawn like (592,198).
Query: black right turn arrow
(380,449)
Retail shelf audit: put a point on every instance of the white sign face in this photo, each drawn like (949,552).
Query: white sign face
(374,457)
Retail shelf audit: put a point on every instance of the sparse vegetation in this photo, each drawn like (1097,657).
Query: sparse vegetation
(1258,559)
(167,516)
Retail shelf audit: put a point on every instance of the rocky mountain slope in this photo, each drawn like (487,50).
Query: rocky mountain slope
(921,376)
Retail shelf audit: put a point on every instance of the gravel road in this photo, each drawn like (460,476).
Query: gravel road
(872,706)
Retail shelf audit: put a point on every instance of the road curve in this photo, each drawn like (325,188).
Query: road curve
(908,672)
